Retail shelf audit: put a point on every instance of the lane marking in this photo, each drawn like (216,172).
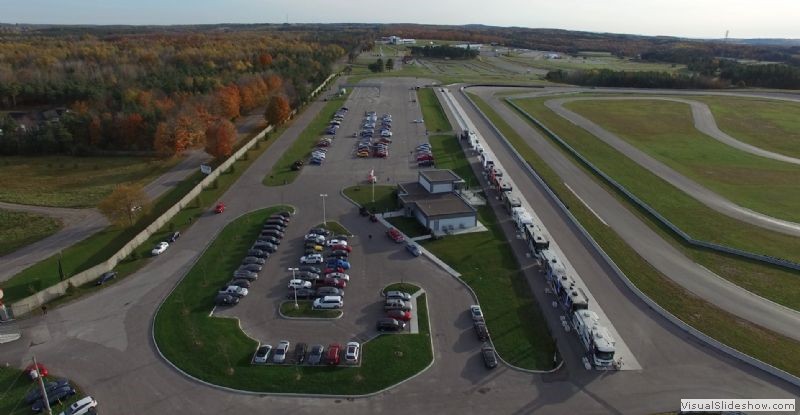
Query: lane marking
(586,204)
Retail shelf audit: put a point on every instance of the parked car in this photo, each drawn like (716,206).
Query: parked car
(395,235)
(245,274)
(174,237)
(279,355)
(82,406)
(332,269)
(340,263)
(390,324)
(267,247)
(234,290)
(315,355)
(106,277)
(319,239)
(262,354)
(489,356)
(273,227)
(338,275)
(399,315)
(253,260)
(160,248)
(413,248)
(58,395)
(352,352)
(270,239)
(328,302)
(219,208)
(395,304)
(320,231)
(51,386)
(333,354)
(311,259)
(337,240)
(339,253)
(300,353)
(299,284)
(426,163)
(306,275)
(297,165)
(481,330)
(334,282)
(286,215)
(273,233)
(250,267)
(400,295)
(302,293)
(476,312)
(34,372)
(226,299)
(258,253)
(240,283)
(310,268)
(325,291)
(340,247)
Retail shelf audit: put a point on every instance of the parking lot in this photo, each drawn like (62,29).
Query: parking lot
(375,263)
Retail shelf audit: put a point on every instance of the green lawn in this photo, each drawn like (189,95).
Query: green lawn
(99,247)
(385,197)
(409,226)
(18,229)
(744,336)
(665,130)
(588,62)
(305,309)
(448,155)
(73,181)
(15,384)
(432,113)
(301,148)
(217,351)
(766,123)
(335,227)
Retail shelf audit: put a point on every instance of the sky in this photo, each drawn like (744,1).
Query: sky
(684,18)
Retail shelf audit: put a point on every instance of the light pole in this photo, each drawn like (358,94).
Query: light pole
(296,306)
(323,196)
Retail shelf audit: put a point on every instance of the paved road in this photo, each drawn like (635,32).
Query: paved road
(104,342)
(685,184)
(646,242)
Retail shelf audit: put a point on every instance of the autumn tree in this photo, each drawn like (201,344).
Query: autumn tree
(278,110)
(125,204)
(164,140)
(220,137)
(229,101)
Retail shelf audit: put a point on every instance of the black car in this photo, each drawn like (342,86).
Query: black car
(273,233)
(323,291)
(425,163)
(300,353)
(315,356)
(279,222)
(57,395)
(244,274)
(258,253)
(297,165)
(306,275)
(250,267)
(310,268)
(240,283)
(106,277)
(302,293)
(278,228)
(481,331)
(363,211)
(270,239)
(254,260)
(284,215)
(226,299)
(50,387)
(320,231)
(489,356)
(174,237)
(390,324)
(263,245)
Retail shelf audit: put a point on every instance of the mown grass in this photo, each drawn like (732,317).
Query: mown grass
(18,229)
(102,245)
(432,113)
(385,197)
(73,181)
(15,384)
(335,227)
(301,148)
(217,351)
(448,154)
(305,309)
(665,130)
(742,335)
(409,226)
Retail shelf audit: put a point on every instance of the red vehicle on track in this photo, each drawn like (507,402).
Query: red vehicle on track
(219,208)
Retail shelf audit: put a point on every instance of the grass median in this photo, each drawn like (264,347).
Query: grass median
(385,199)
(15,385)
(335,227)
(217,351)
(432,113)
(18,229)
(742,335)
(301,148)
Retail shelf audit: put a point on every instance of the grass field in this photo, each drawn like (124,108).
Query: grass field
(99,247)
(335,227)
(744,336)
(432,113)
(449,155)
(766,123)
(18,229)
(217,351)
(73,181)
(385,197)
(588,61)
(305,309)
(14,385)
(300,149)
(665,131)
(409,226)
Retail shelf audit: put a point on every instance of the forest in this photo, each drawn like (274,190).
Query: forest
(444,51)
(89,90)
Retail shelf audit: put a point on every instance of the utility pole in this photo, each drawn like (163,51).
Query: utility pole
(296,306)
(324,219)
(46,401)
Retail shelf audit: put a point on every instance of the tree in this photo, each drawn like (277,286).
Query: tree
(278,110)
(164,141)
(389,64)
(229,101)
(125,204)
(220,137)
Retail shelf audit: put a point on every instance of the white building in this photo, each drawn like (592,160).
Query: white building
(433,201)
(396,40)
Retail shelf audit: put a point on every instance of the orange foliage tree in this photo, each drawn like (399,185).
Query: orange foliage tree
(220,137)
(229,101)
(278,110)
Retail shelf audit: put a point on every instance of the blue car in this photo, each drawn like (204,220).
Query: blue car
(316,161)
(338,263)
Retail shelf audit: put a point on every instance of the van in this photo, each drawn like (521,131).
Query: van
(329,302)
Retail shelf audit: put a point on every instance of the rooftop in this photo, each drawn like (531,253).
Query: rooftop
(431,205)
(440,176)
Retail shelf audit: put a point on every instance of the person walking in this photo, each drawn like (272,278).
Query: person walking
(44,309)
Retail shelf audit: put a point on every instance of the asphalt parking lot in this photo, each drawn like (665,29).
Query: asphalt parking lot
(375,263)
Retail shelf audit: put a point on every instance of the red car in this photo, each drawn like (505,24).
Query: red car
(333,354)
(399,315)
(220,207)
(329,270)
(334,282)
(424,157)
(341,248)
(395,235)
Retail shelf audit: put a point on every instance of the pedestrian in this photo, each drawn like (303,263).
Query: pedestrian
(44,309)
(369,236)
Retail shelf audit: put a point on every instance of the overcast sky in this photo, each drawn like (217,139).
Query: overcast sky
(688,18)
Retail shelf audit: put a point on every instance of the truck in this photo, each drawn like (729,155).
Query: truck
(511,201)
(521,217)
(595,338)
(536,238)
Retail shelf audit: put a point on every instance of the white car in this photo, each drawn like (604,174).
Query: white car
(262,354)
(312,259)
(351,353)
(234,290)
(334,242)
(296,283)
(419,121)
(316,238)
(338,275)
(476,313)
(160,248)
(279,356)
(81,407)
(386,133)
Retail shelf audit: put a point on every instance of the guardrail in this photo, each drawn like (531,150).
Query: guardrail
(32,302)
(783,263)
(745,358)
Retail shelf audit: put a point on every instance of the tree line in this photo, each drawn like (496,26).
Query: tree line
(644,79)
(444,51)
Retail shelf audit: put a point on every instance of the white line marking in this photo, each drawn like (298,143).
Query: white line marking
(586,204)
